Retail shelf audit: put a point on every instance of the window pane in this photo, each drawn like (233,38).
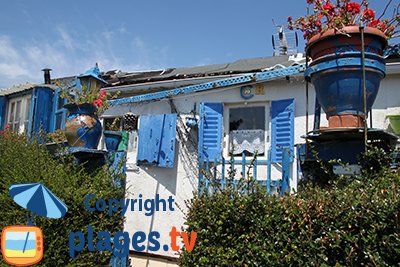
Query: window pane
(27,108)
(247,131)
(58,120)
(112,124)
(11,116)
(26,124)
(18,111)
(60,103)
(247,118)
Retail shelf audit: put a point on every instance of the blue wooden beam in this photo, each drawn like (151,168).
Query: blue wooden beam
(238,80)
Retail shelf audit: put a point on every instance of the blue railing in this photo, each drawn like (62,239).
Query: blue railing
(213,174)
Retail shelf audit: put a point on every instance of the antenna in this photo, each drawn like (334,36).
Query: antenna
(284,43)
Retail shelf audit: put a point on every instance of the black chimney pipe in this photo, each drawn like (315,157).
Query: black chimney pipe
(47,79)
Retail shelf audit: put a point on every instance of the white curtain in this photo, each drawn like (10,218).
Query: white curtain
(247,140)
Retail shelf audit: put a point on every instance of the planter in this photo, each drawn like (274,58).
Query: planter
(112,140)
(54,147)
(336,73)
(82,128)
(123,145)
(395,123)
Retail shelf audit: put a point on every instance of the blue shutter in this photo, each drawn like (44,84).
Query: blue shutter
(167,148)
(43,109)
(157,140)
(282,127)
(210,131)
(3,104)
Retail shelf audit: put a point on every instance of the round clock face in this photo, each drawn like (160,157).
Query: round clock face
(245,92)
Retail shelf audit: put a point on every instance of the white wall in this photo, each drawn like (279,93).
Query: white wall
(182,180)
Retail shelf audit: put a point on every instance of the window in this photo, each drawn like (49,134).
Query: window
(59,112)
(247,126)
(112,123)
(18,113)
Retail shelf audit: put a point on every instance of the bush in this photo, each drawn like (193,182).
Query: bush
(353,222)
(23,162)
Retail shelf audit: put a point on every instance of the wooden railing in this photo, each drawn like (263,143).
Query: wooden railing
(216,174)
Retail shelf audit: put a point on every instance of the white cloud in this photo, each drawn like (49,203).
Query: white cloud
(108,35)
(71,54)
(66,38)
(7,51)
(13,70)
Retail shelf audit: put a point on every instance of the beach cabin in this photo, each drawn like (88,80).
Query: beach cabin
(190,121)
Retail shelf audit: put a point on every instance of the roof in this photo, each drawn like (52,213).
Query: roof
(93,73)
(24,87)
(392,52)
(239,80)
(115,78)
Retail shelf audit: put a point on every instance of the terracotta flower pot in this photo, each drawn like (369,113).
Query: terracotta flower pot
(336,73)
(82,128)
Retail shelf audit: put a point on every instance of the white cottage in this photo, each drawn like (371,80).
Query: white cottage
(189,117)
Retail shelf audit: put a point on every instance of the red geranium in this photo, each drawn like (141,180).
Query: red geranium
(98,103)
(329,8)
(103,94)
(343,13)
(369,14)
(374,23)
(353,8)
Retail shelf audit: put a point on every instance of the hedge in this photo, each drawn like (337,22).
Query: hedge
(351,222)
(29,162)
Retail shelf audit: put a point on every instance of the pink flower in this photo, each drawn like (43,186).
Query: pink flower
(103,94)
(6,127)
(98,103)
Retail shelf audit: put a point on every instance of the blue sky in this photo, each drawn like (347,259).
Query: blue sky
(71,36)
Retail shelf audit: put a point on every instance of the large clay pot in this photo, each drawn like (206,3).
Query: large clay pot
(82,128)
(336,73)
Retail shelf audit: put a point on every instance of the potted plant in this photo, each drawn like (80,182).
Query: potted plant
(334,44)
(86,100)
(112,136)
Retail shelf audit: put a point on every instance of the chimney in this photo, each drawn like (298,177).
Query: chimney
(47,79)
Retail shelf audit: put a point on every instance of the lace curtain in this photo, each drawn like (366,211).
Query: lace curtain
(247,140)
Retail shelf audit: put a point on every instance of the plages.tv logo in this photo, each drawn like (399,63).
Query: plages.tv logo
(23,245)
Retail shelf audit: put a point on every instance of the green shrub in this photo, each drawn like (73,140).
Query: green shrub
(352,225)
(22,162)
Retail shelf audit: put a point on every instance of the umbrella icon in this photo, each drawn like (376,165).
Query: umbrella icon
(38,200)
